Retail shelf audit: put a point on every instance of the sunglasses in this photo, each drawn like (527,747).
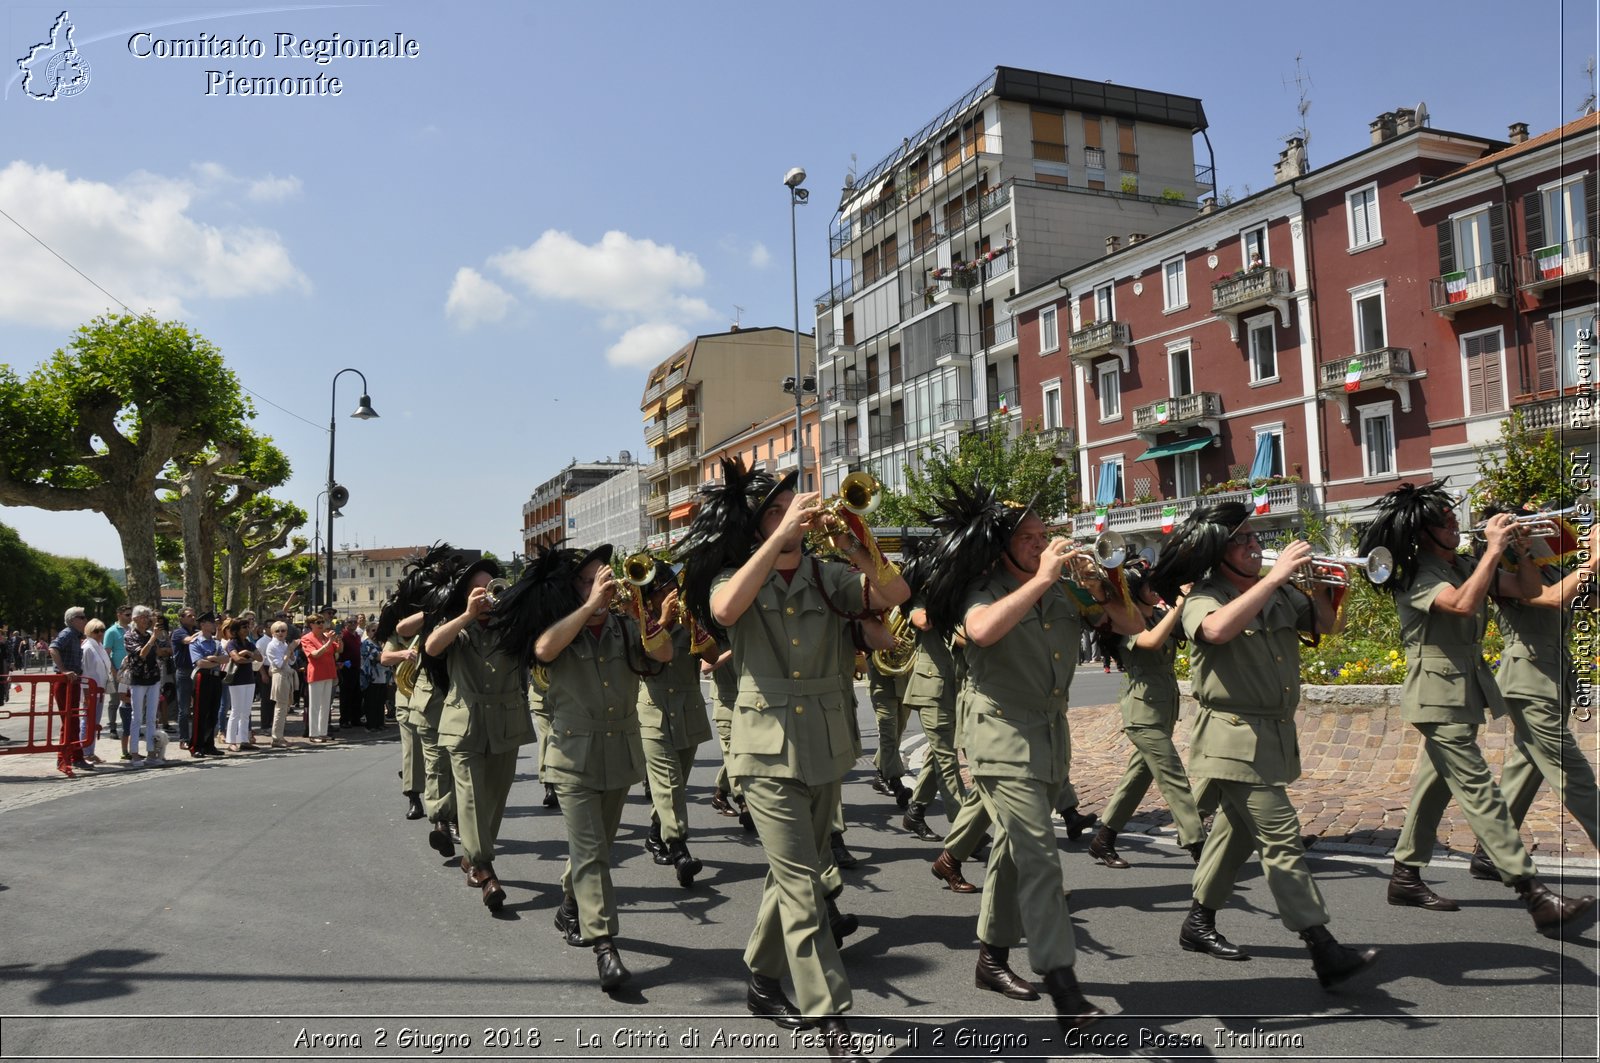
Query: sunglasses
(1244,539)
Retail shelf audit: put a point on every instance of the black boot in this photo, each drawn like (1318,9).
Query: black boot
(1199,934)
(765,1000)
(837,1040)
(1076,821)
(612,972)
(1481,866)
(900,791)
(994,973)
(1194,850)
(1332,961)
(653,842)
(1103,847)
(567,922)
(841,855)
(686,866)
(880,785)
(1073,1012)
(916,821)
(1552,913)
(440,841)
(414,809)
(1407,889)
(550,798)
(842,925)
(745,821)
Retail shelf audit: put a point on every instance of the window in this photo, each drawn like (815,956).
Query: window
(1272,436)
(1564,348)
(1176,285)
(388,571)
(1361,214)
(1187,470)
(1104,310)
(1052,406)
(1372,333)
(1109,486)
(1049,334)
(1473,244)
(1377,439)
(372,594)
(1263,349)
(1109,378)
(1565,220)
(1181,371)
(1253,247)
(1049,135)
(372,572)
(1482,372)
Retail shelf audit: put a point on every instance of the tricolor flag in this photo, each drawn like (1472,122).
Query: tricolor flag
(1258,495)
(1455,286)
(1100,519)
(1161,413)
(1549,259)
(1005,404)
(1352,375)
(1169,517)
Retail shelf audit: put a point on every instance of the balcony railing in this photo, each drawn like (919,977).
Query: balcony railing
(1001,332)
(960,285)
(926,240)
(682,417)
(1098,340)
(1386,367)
(1205,177)
(1558,264)
(1063,441)
(997,265)
(845,393)
(680,495)
(1171,415)
(1128,162)
(1263,286)
(682,457)
(837,294)
(1560,413)
(674,378)
(1005,401)
(985,205)
(656,504)
(841,448)
(1283,500)
(953,412)
(656,469)
(786,460)
(887,437)
(652,392)
(1049,151)
(655,432)
(1094,158)
(1466,288)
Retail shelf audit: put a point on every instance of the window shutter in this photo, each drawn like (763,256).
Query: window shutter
(1473,353)
(1591,209)
(1533,215)
(1482,355)
(1497,233)
(1358,220)
(1447,247)
(1544,357)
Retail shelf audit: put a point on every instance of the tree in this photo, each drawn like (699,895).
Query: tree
(1525,466)
(93,427)
(1019,468)
(38,587)
(249,537)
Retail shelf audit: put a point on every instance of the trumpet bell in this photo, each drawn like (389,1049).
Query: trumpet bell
(495,588)
(1379,565)
(639,569)
(860,493)
(1110,549)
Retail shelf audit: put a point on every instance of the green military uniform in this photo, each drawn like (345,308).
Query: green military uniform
(1245,752)
(972,821)
(593,755)
(482,723)
(1540,686)
(1448,686)
(673,723)
(724,692)
(789,746)
(887,693)
(439,787)
(1018,746)
(931,691)
(1149,714)
(413,764)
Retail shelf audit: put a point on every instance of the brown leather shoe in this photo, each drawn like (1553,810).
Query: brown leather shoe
(994,973)
(1073,1010)
(494,897)
(1407,889)
(1552,913)
(1481,866)
(838,1041)
(475,875)
(947,869)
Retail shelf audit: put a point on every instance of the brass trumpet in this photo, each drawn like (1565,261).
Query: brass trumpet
(1109,551)
(495,588)
(859,493)
(636,570)
(1540,525)
(1335,571)
(897,661)
(405,673)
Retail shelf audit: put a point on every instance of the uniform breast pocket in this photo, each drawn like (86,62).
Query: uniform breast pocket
(1440,684)
(514,724)
(567,752)
(1227,737)
(756,731)
(999,740)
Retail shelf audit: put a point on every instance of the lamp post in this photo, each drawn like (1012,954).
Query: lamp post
(797,195)
(338,496)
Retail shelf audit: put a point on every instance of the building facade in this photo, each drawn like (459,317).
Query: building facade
(1021,178)
(364,579)
(545,517)
(610,512)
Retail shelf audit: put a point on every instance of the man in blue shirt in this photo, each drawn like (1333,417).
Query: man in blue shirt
(183,670)
(66,653)
(117,651)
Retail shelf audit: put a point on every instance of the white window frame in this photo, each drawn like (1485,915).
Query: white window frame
(1275,430)
(1373,217)
(1104,309)
(1179,462)
(1179,349)
(1569,236)
(1049,330)
(1251,325)
(1466,396)
(1109,371)
(1050,402)
(1244,245)
(1569,374)
(1476,269)
(1122,476)
(1181,276)
(1372,412)
(1357,295)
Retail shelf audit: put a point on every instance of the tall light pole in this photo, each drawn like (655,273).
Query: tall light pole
(797,195)
(338,496)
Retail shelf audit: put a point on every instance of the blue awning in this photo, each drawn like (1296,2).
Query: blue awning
(1261,467)
(1183,446)
(1108,484)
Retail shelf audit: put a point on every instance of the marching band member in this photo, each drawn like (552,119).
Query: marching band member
(726,797)
(746,575)
(887,693)
(1242,628)
(1442,600)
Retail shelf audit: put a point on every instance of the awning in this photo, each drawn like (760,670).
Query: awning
(681,510)
(1109,483)
(1182,446)
(1261,467)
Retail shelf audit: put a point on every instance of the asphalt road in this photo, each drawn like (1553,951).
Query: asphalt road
(280,907)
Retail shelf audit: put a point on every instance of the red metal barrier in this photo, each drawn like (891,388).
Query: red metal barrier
(53,716)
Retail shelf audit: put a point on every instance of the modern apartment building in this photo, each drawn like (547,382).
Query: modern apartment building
(545,517)
(612,512)
(709,390)
(1024,176)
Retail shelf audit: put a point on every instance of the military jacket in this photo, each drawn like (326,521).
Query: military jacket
(1447,679)
(1150,685)
(1535,664)
(1016,689)
(1248,687)
(724,690)
(933,681)
(791,714)
(593,708)
(885,690)
(487,695)
(671,707)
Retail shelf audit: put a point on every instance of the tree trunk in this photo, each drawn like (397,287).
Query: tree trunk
(134,517)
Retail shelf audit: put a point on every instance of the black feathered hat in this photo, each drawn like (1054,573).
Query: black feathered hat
(723,533)
(1405,516)
(1196,546)
(542,595)
(601,553)
(974,527)
(425,575)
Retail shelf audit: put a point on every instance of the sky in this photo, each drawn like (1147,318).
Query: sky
(506,225)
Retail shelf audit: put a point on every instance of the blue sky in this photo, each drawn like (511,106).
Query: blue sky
(504,230)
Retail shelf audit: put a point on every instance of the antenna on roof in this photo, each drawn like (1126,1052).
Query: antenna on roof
(1302,81)
(1587,106)
(738,312)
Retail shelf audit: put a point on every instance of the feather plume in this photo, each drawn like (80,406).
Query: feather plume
(542,595)
(721,535)
(973,527)
(1404,517)
(1195,547)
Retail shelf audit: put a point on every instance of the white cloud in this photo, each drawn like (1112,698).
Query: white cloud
(475,300)
(647,344)
(140,240)
(759,255)
(273,189)
(618,273)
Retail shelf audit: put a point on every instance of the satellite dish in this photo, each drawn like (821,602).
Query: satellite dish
(1423,117)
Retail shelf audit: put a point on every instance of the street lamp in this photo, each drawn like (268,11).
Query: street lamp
(797,195)
(337,495)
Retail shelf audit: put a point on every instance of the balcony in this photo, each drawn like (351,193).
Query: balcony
(1005,403)
(1557,265)
(1386,367)
(1467,288)
(654,433)
(1062,441)
(1284,499)
(1571,413)
(999,334)
(681,418)
(957,286)
(1127,162)
(954,414)
(674,379)
(1203,408)
(656,504)
(1099,340)
(1233,297)
(984,206)
(836,295)
(885,438)
(951,345)
(845,393)
(682,458)
(652,393)
(656,470)
(786,459)
(680,495)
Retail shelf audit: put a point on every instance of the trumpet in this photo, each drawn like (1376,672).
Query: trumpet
(899,660)
(495,588)
(1539,525)
(1109,551)
(1335,571)
(635,570)
(859,493)
(405,673)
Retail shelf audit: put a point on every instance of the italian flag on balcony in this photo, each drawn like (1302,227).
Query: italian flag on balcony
(1455,286)
(1005,404)
(1258,495)
(1162,415)
(1169,517)
(1549,259)
(1100,519)
(1352,375)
